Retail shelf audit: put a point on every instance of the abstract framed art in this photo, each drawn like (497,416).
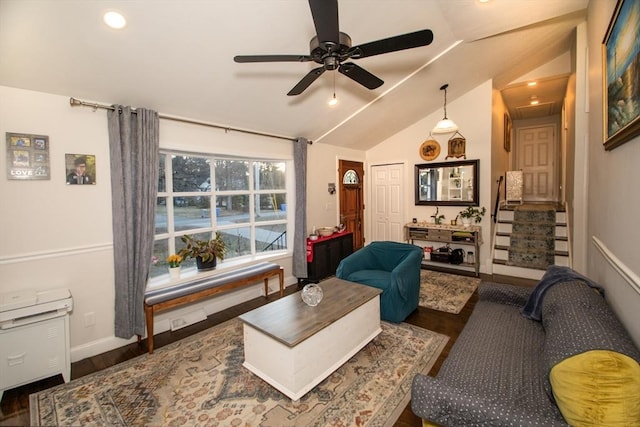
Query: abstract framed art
(621,75)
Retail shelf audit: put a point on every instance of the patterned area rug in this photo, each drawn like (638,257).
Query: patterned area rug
(532,241)
(200,381)
(446,292)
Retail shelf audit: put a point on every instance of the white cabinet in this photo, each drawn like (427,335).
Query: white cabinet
(455,188)
(34,346)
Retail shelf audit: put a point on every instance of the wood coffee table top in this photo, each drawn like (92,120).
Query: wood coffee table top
(291,321)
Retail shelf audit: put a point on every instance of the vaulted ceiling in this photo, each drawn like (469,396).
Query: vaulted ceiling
(177,57)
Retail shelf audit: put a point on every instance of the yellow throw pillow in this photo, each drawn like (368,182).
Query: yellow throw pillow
(598,388)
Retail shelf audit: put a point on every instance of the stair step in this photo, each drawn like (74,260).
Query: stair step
(507,216)
(502,252)
(504,229)
(507,270)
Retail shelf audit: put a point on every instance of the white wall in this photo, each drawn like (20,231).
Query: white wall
(323,209)
(472,114)
(58,236)
(613,199)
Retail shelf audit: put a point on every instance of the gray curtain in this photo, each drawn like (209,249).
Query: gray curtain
(299,268)
(133,146)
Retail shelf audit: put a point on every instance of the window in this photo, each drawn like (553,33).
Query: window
(244,199)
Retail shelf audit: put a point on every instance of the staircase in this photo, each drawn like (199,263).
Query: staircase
(502,241)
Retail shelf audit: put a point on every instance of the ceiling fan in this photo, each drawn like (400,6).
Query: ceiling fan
(331,48)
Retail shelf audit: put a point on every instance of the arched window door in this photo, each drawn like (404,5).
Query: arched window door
(351,199)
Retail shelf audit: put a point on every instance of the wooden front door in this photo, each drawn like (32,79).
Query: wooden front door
(535,156)
(351,199)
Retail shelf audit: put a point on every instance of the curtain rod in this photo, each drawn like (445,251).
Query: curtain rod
(74,102)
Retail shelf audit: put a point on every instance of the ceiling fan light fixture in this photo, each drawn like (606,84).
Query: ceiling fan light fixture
(333,101)
(445,125)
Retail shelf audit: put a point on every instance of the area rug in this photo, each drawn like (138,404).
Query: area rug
(200,381)
(532,240)
(446,292)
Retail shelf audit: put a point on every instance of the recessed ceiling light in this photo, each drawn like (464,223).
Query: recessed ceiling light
(530,84)
(534,100)
(114,20)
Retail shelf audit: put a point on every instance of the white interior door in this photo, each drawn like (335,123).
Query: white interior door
(536,149)
(388,202)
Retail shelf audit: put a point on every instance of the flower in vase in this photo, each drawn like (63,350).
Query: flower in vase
(174,260)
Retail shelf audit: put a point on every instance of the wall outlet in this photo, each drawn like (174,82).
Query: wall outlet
(89,319)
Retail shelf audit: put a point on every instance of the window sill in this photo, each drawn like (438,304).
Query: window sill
(192,273)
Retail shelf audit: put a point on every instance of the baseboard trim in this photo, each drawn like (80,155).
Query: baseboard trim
(163,320)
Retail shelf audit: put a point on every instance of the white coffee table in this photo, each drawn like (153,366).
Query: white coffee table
(293,346)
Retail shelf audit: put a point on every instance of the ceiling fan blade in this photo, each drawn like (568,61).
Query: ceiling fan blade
(392,44)
(325,19)
(306,81)
(360,75)
(272,58)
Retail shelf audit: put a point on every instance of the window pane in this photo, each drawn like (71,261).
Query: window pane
(244,199)
(269,207)
(189,173)
(238,241)
(162,177)
(191,212)
(270,176)
(159,260)
(232,175)
(161,215)
(232,209)
(271,237)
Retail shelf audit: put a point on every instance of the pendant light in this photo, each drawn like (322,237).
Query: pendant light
(445,125)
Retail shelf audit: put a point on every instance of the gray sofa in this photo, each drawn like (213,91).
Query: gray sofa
(508,370)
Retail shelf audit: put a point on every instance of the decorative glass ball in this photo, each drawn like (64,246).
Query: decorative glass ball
(312,294)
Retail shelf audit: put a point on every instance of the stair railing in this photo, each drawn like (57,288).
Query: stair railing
(278,243)
(497,205)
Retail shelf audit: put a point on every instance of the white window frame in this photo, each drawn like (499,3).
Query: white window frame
(253,195)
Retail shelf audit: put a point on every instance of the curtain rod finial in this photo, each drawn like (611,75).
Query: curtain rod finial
(74,102)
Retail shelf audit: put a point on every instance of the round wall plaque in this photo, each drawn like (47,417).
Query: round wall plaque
(430,149)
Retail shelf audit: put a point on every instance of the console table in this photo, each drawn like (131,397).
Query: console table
(324,255)
(468,239)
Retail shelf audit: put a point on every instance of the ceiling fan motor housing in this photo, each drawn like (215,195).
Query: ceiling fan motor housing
(328,53)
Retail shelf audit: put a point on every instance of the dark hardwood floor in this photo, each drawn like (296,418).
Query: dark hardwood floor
(14,408)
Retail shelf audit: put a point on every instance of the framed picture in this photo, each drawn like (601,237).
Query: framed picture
(457,146)
(430,149)
(81,169)
(27,156)
(621,75)
(507,133)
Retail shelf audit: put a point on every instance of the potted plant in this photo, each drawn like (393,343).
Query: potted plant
(174,262)
(437,218)
(471,213)
(205,252)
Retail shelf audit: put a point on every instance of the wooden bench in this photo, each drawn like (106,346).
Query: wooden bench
(158,300)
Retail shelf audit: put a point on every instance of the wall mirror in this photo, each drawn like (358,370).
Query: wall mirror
(447,183)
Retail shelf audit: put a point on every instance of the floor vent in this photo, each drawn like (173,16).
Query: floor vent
(187,319)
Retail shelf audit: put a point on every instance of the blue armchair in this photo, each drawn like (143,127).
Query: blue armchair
(391,266)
